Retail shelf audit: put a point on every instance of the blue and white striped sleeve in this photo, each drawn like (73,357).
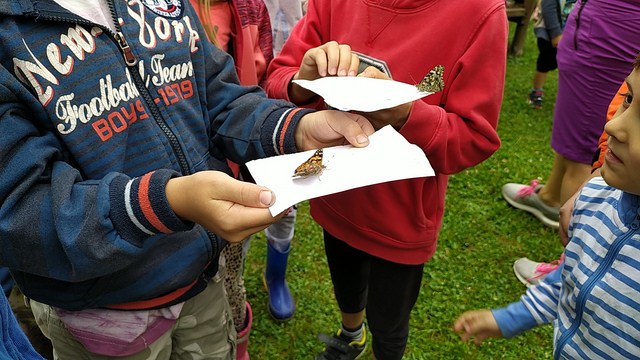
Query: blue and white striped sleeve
(538,306)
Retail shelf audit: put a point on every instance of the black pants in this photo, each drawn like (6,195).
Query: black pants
(546,56)
(386,290)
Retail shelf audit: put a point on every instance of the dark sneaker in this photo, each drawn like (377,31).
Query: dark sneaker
(535,98)
(339,348)
(525,197)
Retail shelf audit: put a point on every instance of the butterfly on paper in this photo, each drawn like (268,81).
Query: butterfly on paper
(433,81)
(313,166)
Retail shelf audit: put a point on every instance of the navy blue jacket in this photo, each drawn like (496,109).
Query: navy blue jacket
(93,123)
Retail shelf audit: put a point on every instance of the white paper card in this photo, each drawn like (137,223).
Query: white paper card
(388,157)
(358,93)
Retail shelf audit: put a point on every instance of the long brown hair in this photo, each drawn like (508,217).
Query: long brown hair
(205,18)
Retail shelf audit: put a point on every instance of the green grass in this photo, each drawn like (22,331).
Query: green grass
(472,268)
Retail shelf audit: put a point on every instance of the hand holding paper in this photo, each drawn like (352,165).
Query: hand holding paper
(388,157)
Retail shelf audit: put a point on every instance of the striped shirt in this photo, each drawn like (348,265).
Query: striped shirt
(594,298)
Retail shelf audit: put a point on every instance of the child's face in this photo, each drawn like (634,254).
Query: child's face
(621,168)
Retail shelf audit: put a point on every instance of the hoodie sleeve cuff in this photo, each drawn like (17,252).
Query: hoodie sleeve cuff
(514,319)
(140,209)
(278,131)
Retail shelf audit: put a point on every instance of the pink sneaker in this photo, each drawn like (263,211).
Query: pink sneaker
(530,272)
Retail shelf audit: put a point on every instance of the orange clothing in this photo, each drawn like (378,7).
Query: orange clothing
(602,142)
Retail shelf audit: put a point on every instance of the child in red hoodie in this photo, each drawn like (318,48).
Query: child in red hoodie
(379,234)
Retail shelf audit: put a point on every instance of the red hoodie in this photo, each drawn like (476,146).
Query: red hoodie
(399,221)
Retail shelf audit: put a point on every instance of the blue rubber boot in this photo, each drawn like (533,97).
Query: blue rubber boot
(281,303)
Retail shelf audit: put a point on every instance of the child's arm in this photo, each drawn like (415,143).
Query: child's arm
(551,13)
(477,324)
(461,132)
(235,209)
(538,306)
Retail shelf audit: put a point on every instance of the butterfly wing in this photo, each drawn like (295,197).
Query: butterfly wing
(433,81)
(313,166)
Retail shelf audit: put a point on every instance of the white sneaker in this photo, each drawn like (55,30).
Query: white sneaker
(525,197)
(531,273)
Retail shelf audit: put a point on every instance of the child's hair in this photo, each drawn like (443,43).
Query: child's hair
(205,16)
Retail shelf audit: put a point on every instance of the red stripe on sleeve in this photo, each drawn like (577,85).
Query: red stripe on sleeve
(145,205)
(287,121)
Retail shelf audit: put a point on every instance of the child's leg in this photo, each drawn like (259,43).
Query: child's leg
(198,333)
(234,255)
(279,236)
(388,316)
(349,269)
(566,178)
(545,62)
(234,282)
(550,193)
(539,78)
(576,174)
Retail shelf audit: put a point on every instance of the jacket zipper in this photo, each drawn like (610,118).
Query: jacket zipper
(131,61)
(588,286)
(575,32)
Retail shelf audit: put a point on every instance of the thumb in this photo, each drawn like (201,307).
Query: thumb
(356,131)
(255,196)
(372,72)
(241,192)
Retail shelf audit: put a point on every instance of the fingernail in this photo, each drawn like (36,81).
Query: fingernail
(362,139)
(342,73)
(266,197)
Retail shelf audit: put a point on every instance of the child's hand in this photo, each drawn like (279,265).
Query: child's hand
(330,59)
(565,216)
(228,207)
(330,128)
(556,40)
(479,324)
(395,116)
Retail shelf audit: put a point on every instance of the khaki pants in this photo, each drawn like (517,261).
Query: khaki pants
(204,330)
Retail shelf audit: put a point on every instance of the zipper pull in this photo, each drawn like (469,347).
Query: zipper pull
(129,58)
(636,222)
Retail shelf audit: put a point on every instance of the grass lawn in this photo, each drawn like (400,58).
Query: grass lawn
(472,268)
